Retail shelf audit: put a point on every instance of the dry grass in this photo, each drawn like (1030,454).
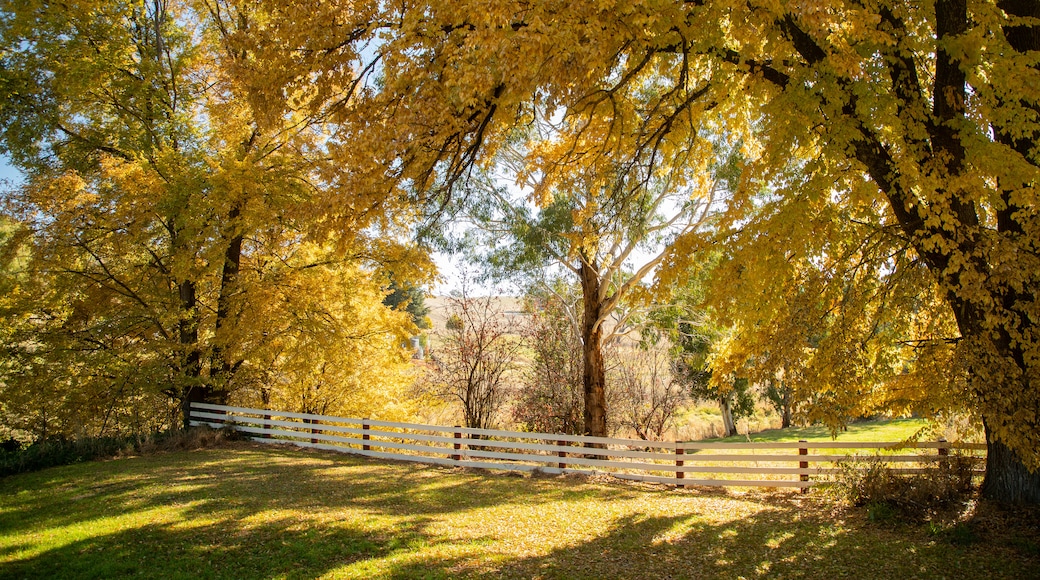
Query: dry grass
(249,511)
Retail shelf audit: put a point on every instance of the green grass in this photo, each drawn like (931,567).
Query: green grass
(893,430)
(247,511)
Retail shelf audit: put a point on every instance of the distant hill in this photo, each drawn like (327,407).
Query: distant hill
(509,306)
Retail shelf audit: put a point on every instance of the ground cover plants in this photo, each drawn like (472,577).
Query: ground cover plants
(244,510)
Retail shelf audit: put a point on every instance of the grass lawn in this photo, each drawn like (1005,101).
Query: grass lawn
(880,430)
(249,511)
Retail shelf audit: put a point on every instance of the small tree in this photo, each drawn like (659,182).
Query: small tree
(648,396)
(694,337)
(778,393)
(476,359)
(551,399)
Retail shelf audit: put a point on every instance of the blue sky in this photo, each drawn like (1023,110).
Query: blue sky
(8,173)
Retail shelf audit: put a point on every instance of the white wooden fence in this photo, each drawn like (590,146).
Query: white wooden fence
(728,464)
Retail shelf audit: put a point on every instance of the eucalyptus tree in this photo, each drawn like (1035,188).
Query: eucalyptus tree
(606,227)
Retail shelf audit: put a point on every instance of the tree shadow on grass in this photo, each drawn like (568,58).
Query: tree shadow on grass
(249,513)
(280,549)
(226,481)
(777,543)
(239,493)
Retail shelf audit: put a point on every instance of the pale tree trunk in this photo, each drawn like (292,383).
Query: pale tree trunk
(728,424)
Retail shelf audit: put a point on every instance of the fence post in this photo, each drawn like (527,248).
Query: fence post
(803,465)
(562,454)
(313,430)
(267,426)
(679,452)
(944,453)
(365,427)
(458,445)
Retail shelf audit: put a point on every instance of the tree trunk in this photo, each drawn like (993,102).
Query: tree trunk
(1007,479)
(191,362)
(728,424)
(785,400)
(221,369)
(594,376)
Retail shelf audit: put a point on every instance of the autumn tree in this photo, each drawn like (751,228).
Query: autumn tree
(608,226)
(928,106)
(176,226)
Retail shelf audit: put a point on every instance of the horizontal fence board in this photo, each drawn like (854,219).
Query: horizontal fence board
(245,410)
(571,460)
(812,458)
(325,427)
(636,460)
(572,438)
(324,419)
(569,449)
(548,470)
(889,445)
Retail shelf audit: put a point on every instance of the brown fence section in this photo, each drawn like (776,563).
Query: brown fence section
(788,464)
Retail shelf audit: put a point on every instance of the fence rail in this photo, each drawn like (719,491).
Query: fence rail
(783,464)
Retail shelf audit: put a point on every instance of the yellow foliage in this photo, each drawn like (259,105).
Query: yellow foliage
(937,108)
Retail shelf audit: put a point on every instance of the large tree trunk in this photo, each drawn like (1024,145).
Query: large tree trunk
(222,369)
(1007,478)
(1000,372)
(594,376)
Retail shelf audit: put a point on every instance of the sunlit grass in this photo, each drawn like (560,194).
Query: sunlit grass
(259,512)
(881,430)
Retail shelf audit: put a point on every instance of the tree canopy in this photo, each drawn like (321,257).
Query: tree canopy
(179,243)
(920,120)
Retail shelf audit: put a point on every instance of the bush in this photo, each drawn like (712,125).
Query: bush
(60,451)
(887,494)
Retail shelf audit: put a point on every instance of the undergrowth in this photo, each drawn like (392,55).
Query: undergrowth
(888,495)
(52,452)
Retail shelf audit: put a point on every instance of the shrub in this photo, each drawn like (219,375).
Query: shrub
(886,493)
